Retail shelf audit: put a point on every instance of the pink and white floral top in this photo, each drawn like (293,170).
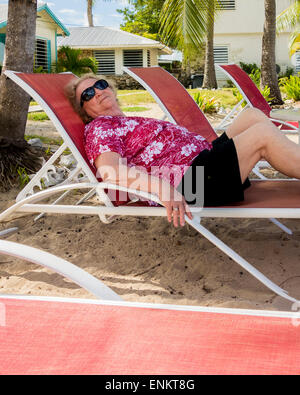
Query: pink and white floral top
(161,148)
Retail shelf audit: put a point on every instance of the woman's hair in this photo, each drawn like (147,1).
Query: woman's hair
(70,92)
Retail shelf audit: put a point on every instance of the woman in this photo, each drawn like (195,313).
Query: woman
(156,156)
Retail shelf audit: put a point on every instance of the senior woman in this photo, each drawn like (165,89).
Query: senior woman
(138,152)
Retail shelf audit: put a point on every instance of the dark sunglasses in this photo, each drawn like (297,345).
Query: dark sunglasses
(89,93)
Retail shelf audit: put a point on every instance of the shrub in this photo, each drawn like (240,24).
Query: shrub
(291,86)
(249,68)
(265,92)
(288,72)
(205,104)
(70,59)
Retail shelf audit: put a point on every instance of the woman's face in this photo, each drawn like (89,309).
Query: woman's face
(103,103)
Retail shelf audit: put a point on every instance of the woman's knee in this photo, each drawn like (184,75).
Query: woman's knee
(263,134)
(255,115)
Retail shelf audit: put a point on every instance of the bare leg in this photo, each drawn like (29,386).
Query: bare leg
(265,141)
(245,120)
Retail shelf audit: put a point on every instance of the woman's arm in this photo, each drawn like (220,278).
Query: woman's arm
(113,168)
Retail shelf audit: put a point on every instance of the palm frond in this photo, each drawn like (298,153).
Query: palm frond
(294,42)
(289,18)
(183,22)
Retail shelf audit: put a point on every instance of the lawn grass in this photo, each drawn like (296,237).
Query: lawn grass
(132,100)
(135,109)
(135,98)
(224,97)
(45,140)
(38,116)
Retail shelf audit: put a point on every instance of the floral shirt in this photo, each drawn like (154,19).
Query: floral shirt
(161,148)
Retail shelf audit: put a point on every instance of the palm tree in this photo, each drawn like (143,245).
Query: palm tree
(289,20)
(184,25)
(210,80)
(14,102)
(90,4)
(69,59)
(268,63)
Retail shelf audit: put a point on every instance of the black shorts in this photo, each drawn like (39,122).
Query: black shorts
(220,180)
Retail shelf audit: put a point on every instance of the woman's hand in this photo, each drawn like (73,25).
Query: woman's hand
(176,206)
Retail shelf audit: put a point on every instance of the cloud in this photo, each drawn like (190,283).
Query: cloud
(68,11)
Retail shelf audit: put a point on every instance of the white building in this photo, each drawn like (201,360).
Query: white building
(239,30)
(48,27)
(114,48)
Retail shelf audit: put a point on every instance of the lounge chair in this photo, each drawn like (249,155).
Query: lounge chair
(251,97)
(60,266)
(43,335)
(265,199)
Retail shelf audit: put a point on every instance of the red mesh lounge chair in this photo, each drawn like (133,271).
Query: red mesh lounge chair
(251,95)
(266,199)
(42,335)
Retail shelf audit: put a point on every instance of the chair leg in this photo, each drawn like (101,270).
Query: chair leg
(238,259)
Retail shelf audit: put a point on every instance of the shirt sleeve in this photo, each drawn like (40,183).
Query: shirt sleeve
(100,140)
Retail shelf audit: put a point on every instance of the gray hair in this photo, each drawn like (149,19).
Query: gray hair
(70,92)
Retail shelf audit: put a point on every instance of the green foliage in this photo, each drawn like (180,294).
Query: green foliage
(142,18)
(291,86)
(249,68)
(37,116)
(23,176)
(44,139)
(40,70)
(255,76)
(183,23)
(207,105)
(139,97)
(288,20)
(70,59)
(288,72)
(265,92)
(134,109)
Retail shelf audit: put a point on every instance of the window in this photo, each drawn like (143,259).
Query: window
(298,62)
(133,58)
(148,58)
(221,55)
(2,45)
(226,5)
(41,54)
(106,62)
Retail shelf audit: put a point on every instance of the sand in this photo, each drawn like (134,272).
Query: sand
(148,260)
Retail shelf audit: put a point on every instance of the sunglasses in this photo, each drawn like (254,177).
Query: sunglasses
(89,93)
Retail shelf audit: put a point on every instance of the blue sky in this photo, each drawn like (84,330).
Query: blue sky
(73,12)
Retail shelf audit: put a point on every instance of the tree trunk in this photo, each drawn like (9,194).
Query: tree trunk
(14,102)
(210,80)
(90,12)
(268,63)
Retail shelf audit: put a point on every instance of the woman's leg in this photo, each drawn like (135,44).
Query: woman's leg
(245,120)
(265,141)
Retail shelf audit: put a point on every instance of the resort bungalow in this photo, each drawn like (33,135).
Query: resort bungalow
(48,27)
(114,48)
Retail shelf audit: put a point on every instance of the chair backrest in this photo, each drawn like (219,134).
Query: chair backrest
(50,89)
(246,86)
(173,99)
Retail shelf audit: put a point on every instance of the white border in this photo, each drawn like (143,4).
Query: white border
(158,306)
